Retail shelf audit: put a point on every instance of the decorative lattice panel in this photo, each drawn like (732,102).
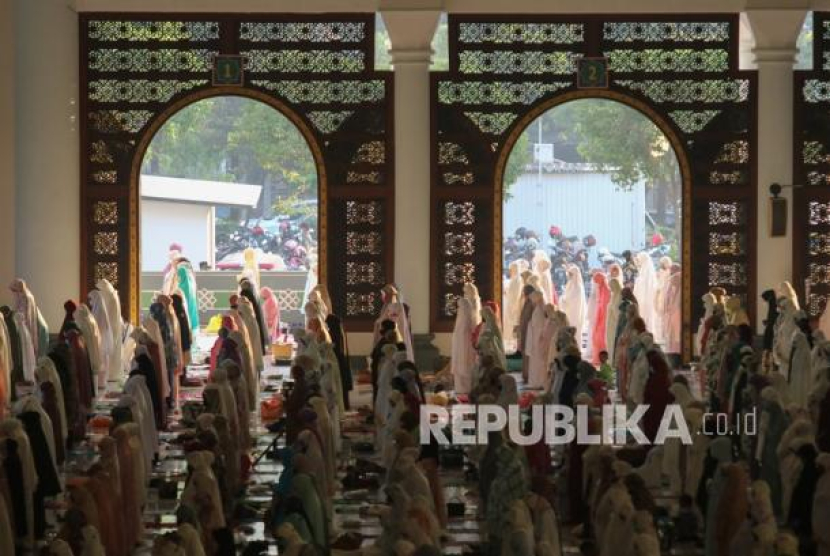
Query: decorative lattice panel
(681,71)
(811,171)
(138,69)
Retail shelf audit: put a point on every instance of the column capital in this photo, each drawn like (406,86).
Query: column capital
(411,57)
(411,32)
(774,28)
(775,33)
(784,57)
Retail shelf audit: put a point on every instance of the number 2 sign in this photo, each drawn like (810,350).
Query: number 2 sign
(592,73)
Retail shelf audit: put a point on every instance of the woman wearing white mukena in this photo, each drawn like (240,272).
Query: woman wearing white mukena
(573,302)
(463,353)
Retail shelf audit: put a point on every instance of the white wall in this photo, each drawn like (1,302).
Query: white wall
(48,198)
(580,204)
(7,149)
(163,223)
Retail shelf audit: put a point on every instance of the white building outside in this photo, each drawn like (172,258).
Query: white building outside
(184,211)
(579,200)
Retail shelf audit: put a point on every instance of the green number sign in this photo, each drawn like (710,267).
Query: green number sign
(228,70)
(592,73)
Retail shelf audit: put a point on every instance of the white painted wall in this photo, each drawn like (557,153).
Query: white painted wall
(47,194)
(7,149)
(164,222)
(775,32)
(410,33)
(580,204)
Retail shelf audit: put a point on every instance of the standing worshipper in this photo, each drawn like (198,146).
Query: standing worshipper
(398,313)
(800,363)
(88,326)
(673,311)
(471,294)
(6,365)
(24,303)
(629,269)
(625,337)
(463,353)
(785,329)
(573,302)
(102,320)
(524,323)
(602,295)
(180,276)
(490,341)
(662,275)
(656,393)
(512,302)
(615,287)
(109,295)
(185,331)
(246,290)
(271,311)
(769,325)
(708,309)
(537,349)
(26,351)
(645,287)
(542,268)
(339,342)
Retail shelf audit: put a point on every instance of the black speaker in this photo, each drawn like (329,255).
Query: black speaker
(778,217)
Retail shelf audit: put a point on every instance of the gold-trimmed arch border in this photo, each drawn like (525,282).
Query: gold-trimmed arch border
(669,131)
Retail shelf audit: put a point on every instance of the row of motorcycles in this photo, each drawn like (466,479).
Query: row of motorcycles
(571,250)
(286,243)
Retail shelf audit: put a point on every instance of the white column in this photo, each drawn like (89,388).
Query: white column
(411,32)
(47,203)
(776,33)
(7,149)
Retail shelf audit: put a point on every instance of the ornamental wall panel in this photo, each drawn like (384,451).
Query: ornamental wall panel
(811,173)
(137,70)
(680,71)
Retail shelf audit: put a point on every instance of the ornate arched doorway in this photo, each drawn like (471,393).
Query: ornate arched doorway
(668,131)
(681,71)
(155,126)
(138,69)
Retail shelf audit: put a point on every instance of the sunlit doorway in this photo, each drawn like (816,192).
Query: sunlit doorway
(228,187)
(590,184)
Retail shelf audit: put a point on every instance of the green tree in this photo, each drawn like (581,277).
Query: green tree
(617,139)
(236,139)
(187,144)
(804,59)
(277,147)
(517,162)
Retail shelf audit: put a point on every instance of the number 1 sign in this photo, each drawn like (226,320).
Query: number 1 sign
(592,73)
(228,70)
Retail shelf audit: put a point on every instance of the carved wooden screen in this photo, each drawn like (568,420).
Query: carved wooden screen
(138,69)
(811,171)
(506,70)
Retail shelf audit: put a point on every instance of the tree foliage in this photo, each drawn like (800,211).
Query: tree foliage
(804,58)
(517,162)
(235,139)
(618,140)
